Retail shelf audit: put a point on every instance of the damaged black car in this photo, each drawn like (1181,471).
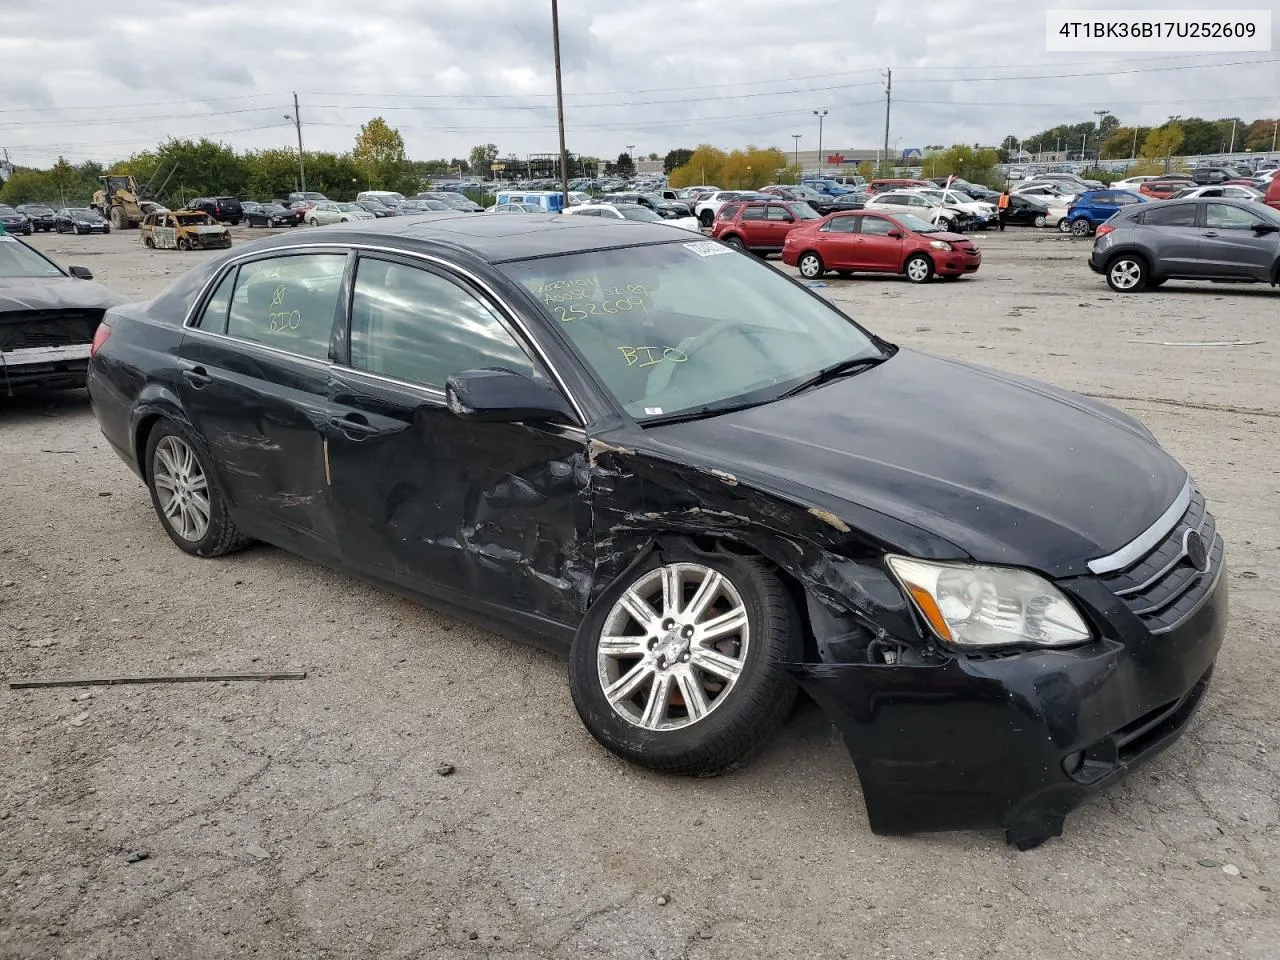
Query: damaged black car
(705,485)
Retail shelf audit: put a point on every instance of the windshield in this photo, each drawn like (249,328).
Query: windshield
(194,219)
(638,213)
(682,327)
(351,208)
(19,260)
(954,196)
(84,212)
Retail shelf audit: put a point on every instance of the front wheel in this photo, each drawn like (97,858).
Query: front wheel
(150,242)
(186,496)
(184,243)
(946,224)
(811,266)
(1126,274)
(680,667)
(1080,227)
(918,268)
(706,218)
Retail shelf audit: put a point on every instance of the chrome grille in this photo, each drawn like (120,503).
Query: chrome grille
(1163,587)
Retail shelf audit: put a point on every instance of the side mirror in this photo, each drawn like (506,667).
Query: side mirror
(80,273)
(504,396)
(1262,229)
(895,234)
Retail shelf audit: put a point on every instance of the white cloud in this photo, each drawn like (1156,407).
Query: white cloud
(97,82)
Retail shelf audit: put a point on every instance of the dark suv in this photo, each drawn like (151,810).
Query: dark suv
(222,209)
(1229,241)
(1212,173)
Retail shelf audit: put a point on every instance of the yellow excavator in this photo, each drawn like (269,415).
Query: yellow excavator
(118,200)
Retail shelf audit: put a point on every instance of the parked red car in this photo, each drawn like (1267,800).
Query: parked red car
(1272,197)
(896,183)
(1165,187)
(761,226)
(875,242)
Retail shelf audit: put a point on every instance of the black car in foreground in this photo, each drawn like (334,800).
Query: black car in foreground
(80,220)
(41,217)
(271,215)
(15,221)
(48,319)
(703,483)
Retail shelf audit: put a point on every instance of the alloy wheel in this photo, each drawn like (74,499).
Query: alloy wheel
(1080,227)
(673,646)
(182,487)
(1125,274)
(1040,221)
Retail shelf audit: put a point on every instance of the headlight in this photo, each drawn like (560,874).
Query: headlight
(940,245)
(983,607)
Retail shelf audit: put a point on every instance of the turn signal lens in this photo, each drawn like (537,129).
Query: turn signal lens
(99,338)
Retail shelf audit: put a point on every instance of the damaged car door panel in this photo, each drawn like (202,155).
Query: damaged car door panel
(636,450)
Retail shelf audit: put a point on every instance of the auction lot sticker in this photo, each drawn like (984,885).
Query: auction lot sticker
(1155,31)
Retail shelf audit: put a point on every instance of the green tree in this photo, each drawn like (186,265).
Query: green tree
(977,165)
(482,156)
(1009,143)
(1163,142)
(704,166)
(1107,125)
(1260,135)
(676,158)
(378,152)
(1119,142)
(625,166)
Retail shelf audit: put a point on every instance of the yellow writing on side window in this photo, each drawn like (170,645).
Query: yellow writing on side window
(649,356)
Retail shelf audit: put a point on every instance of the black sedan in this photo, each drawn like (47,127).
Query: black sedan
(846,201)
(80,220)
(15,221)
(271,215)
(48,318)
(379,210)
(705,485)
(1026,211)
(41,217)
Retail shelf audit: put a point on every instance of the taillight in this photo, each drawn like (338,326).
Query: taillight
(1103,230)
(99,338)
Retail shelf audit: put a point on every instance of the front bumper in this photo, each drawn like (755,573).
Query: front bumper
(953,263)
(48,367)
(1017,741)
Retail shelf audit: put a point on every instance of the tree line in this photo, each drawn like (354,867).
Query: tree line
(1109,139)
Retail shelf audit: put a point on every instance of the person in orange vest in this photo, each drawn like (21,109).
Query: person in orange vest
(1002,205)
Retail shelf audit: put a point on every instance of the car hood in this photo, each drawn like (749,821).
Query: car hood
(1009,470)
(55,293)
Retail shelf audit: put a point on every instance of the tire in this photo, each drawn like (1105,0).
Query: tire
(1064,225)
(105,231)
(1041,220)
(739,716)
(947,224)
(706,218)
(184,243)
(918,268)
(311,222)
(118,218)
(149,242)
(1127,273)
(219,534)
(735,242)
(810,265)
(1081,227)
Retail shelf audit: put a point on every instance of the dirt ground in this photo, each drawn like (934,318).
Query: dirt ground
(308,818)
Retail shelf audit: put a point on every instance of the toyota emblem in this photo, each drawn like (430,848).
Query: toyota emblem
(1197,552)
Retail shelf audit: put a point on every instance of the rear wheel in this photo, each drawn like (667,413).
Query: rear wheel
(1126,274)
(918,268)
(1041,220)
(186,496)
(681,666)
(1064,225)
(735,242)
(1080,227)
(811,266)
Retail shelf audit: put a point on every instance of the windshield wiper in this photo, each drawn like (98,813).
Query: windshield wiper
(845,368)
(701,413)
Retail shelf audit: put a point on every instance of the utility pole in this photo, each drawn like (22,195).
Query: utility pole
(820,114)
(564,156)
(796,138)
(297,122)
(1098,146)
(1274,130)
(1233,138)
(888,100)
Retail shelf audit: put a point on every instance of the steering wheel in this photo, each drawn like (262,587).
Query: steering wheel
(661,374)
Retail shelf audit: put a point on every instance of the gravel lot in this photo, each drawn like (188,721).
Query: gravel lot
(309,818)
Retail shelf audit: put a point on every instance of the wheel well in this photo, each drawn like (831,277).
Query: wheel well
(918,253)
(143,434)
(1132,255)
(805,253)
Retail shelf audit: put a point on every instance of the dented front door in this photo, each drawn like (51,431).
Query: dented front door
(490,514)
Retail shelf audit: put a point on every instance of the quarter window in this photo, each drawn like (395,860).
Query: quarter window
(417,326)
(288,302)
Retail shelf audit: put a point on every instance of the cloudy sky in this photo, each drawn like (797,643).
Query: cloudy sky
(93,80)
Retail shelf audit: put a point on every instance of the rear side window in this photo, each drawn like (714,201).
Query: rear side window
(214,318)
(840,225)
(753,213)
(1177,215)
(288,302)
(729,211)
(414,325)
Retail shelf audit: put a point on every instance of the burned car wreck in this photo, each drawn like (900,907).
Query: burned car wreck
(704,484)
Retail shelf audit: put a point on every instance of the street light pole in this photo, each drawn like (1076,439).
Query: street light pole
(796,138)
(564,155)
(820,114)
(297,122)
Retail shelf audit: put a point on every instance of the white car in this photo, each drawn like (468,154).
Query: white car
(707,208)
(632,211)
(1045,190)
(959,201)
(330,212)
(912,201)
(1233,191)
(577,198)
(1132,183)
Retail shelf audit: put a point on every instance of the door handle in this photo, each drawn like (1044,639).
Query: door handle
(1211,233)
(198,377)
(353,428)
